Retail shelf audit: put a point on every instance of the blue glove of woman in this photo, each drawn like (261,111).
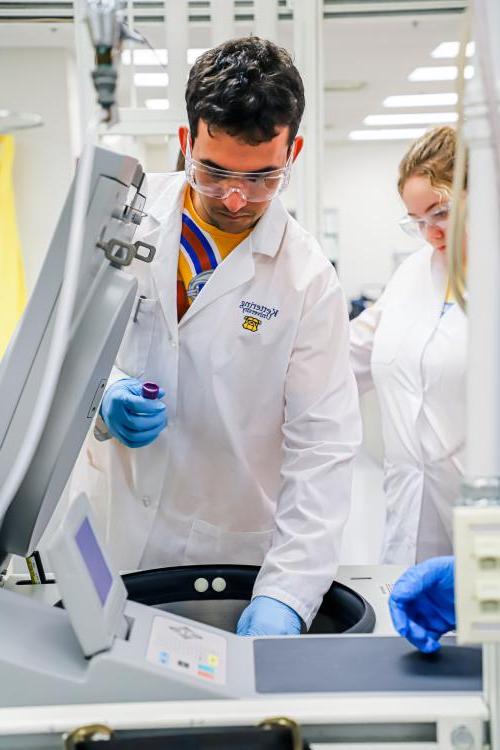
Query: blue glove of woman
(130,418)
(422,603)
(267,616)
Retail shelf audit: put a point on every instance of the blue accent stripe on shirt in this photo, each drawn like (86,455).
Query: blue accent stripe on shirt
(196,261)
(206,244)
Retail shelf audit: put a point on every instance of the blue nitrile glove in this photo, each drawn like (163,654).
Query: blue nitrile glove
(267,616)
(422,603)
(130,418)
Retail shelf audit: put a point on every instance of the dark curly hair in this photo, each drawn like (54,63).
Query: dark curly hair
(246,87)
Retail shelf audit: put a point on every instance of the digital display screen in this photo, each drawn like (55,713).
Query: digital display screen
(94,560)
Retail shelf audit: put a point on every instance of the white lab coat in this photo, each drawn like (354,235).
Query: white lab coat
(416,360)
(255,464)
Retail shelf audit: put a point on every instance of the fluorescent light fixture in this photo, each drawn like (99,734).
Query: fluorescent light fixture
(450,49)
(157,103)
(151,79)
(439,73)
(416,118)
(145,57)
(157,56)
(421,100)
(390,134)
(194,53)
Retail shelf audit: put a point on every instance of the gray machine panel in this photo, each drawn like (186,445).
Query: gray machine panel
(104,300)
(345,664)
(55,670)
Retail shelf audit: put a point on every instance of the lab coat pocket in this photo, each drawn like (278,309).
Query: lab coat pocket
(96,486)
(211,544)
(136,343)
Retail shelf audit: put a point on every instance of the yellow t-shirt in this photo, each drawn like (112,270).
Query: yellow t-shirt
(202,248)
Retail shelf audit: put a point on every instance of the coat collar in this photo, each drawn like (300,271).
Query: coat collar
(267,236)
(166,195)
(432,293)
(439,277)
(165,209)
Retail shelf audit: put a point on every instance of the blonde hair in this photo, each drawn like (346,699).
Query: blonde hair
(432,156)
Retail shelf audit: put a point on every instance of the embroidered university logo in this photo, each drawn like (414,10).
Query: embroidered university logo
(258,311)
(250,323)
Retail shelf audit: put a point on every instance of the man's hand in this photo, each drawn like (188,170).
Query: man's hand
(267,616)
(422,603)
(130,418)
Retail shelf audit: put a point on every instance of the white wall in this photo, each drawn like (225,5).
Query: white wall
(158,158)
(360,182)
(36,80)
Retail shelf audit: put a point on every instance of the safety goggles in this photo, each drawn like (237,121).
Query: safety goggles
(438,217)
(254,187)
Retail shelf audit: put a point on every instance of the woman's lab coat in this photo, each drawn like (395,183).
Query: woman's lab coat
(415,358)
(255,464)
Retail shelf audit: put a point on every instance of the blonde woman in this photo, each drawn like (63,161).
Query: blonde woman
(411,347)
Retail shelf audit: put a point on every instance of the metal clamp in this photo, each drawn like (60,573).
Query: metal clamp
(121,253)
(150,248)
(284,721)
(133,214)
(84,734)
(118,252)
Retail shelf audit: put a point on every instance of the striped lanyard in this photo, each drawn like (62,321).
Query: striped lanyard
(201,256)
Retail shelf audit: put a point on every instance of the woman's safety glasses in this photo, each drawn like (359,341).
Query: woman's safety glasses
(438,217)
(254,187)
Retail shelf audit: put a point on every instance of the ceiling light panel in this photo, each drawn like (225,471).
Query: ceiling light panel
(421,100)
(151,79)
(416,118)
(145,57)
(391,134)
(447,50)
(438,73)
(157,104)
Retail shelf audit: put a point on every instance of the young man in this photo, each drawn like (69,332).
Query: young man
(241,320)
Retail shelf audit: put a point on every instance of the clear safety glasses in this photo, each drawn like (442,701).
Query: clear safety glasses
(254,187)
(438,217)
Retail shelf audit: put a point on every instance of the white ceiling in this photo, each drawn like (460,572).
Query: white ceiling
(379,51)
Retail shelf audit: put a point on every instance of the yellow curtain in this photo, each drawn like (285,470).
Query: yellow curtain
(12,285)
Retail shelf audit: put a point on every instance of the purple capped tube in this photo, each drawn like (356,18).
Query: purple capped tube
(150,390)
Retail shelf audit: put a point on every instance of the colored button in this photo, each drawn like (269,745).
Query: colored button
(164,657)
(206,668)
